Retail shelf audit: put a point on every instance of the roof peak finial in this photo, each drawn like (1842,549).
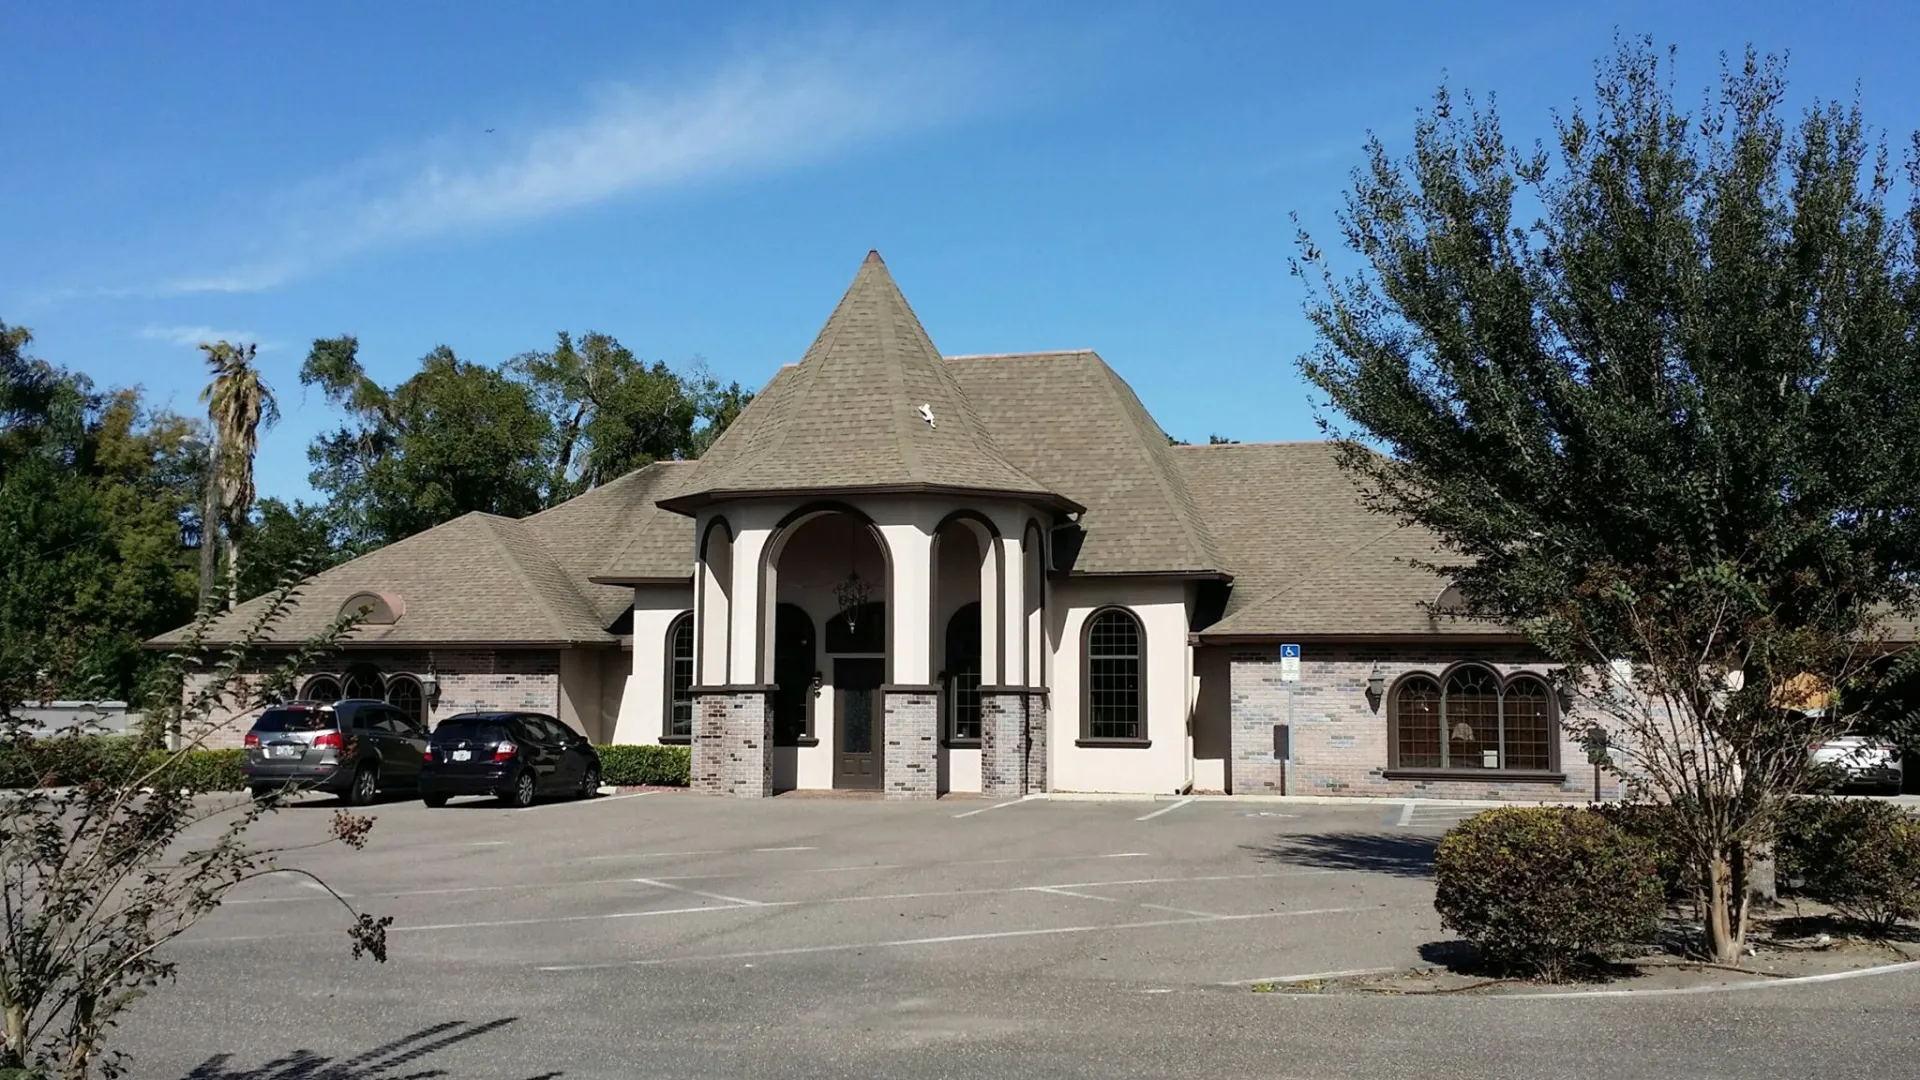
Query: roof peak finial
(873,256)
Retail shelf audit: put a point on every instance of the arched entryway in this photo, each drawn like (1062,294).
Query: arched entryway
(828,583)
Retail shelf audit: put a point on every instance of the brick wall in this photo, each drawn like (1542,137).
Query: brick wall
(1007,728)
(911,769)
(732,743)
(1339,734)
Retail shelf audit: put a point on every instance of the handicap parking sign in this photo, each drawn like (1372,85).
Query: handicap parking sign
(1289,663)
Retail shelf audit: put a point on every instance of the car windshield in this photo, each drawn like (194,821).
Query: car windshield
(470,729)
(293,720)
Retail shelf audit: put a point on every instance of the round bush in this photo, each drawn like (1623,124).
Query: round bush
(1659,825)
(1545,889)
(1859,856)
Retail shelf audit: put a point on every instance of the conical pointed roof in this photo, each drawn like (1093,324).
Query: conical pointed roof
(853,416)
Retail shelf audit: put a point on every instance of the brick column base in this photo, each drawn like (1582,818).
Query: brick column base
(911,769)
(1039,720)
(1013,748)
(732,741)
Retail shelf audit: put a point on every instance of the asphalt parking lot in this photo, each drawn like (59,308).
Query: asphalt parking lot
(675,935)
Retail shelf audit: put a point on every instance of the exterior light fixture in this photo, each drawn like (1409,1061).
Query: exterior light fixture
(430,686)
(1376,683)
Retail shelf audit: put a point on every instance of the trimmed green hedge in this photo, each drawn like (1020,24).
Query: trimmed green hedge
(1546,889)
(652,766)
(1859,856)
(63,761)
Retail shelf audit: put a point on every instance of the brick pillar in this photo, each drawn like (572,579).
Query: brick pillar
(1003,744)
(911,769)
(1258,700)
(1037,718)
(732,741)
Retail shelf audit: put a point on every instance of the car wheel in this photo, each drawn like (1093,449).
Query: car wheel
(366,785)
(520,795)
(590,783)
(435,801)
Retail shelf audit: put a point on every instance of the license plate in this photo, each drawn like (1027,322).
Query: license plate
(463,755)
(285,751)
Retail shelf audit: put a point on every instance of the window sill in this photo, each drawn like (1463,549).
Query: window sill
(1115,744)
(676,740)
(804,740)
(961,744)
(1502,776)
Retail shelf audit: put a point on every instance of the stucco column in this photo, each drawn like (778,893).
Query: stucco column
(750,611)
(911,769)
(1004,768)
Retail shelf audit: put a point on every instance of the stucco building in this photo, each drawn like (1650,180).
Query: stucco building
(917,574)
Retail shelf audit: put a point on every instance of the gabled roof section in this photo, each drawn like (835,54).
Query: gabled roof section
(478,578)
(1308,557)
(650,546)
(854,416)
(1070,420)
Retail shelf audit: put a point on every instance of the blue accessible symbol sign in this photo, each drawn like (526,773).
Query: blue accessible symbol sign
(1289,663)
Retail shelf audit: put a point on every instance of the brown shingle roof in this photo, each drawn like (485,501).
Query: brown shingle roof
(849,416)
(477,578)
(1071,421)
(1307,557)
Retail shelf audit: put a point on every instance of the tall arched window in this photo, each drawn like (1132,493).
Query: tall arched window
(1113,671)
(321,688)
(1474,721)
(963,675)
(404,693)
(794,667)
(364,681)
(679,715)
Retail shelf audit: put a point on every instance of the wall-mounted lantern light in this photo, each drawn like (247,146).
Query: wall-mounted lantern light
(430,686)
(1376,684)
(815,685)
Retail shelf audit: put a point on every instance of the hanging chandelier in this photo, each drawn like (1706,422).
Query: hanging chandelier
(851,592)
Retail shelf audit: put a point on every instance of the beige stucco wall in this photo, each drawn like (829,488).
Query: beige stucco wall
(644,698)
(1161,607)
(1212,713)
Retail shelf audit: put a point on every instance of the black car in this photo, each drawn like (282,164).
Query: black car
(354,748)
(514,756)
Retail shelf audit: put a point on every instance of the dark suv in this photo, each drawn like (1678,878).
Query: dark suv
(354,748)
(515,757)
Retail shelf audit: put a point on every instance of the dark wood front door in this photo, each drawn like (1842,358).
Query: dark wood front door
(858,723)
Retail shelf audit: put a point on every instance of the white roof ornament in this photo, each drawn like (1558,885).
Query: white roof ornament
(926,413)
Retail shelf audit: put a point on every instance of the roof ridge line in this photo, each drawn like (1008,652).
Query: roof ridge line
(1014,355)
(1183,510)
(562,632)
(902,442)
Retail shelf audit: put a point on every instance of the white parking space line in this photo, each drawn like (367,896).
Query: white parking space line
(1075,895)
(1406,813)
(738,904)
(764,850)
(656,855)
(722,897)
(996,806)
(902,866)
(592,802)
(948,939)
(1182,911)
(1163,810)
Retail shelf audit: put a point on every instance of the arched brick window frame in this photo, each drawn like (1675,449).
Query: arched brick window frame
(1471,721)
(1113,679)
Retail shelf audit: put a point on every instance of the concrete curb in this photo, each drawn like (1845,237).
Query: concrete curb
(1308,800)
(1684,991)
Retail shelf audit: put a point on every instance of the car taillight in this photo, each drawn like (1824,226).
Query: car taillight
(329,738)
(252,739)
(427,754)
(505,751)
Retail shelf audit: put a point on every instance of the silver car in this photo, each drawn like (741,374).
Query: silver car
(352,748)
(1863,760)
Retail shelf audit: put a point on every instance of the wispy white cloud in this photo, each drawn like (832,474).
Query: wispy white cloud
(192,336)
(756,112)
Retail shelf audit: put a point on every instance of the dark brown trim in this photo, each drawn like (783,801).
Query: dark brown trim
(909,688)
(676,740)
(1114,744)
(1148,575)
(1086,680)
(666,684)
(621,579)
(733,688)
(1503,776)
(1032,691)
(1207,637)
(959,744)
(685,505)
(1033,661)
(777,541)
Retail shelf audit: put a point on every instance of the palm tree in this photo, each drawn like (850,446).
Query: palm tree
(239,404)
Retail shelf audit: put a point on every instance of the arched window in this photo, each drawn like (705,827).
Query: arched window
(794,666)
(364,681)
(1113,670)
(321,688)
(404,693)
(963,675)
(679,716)
(1473,722)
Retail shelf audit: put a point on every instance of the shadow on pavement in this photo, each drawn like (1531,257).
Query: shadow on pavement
(1400,856)
(401,1059)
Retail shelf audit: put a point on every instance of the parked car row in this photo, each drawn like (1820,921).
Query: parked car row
(1860,760)
(358,749)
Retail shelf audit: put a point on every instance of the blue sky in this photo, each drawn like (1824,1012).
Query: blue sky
(703,179)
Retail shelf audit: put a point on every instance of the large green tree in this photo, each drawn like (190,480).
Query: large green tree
(97,495)
(284,540)
(455,438)
(1656,386)
(239,404)
(608,412)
